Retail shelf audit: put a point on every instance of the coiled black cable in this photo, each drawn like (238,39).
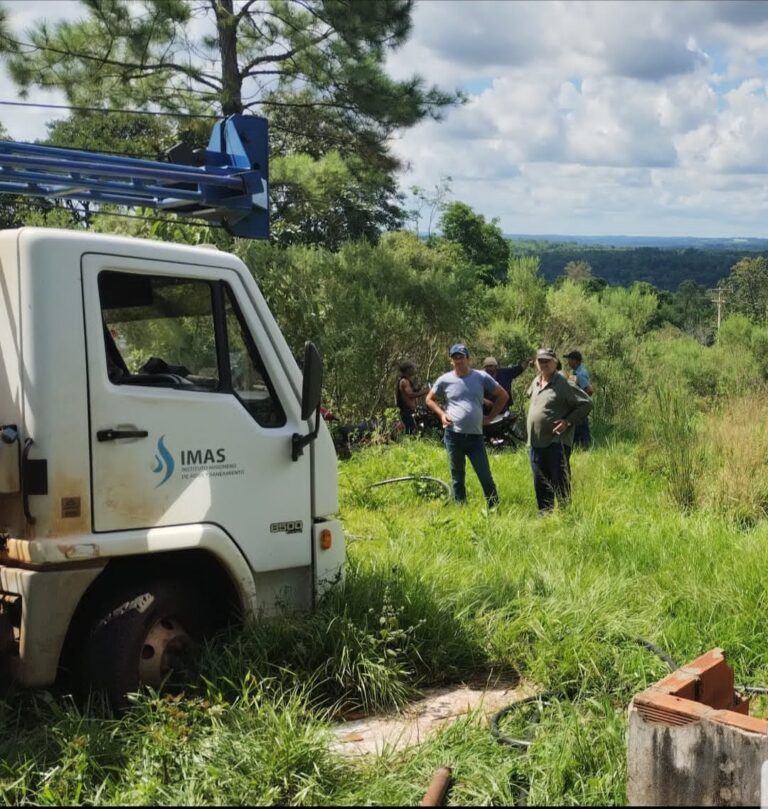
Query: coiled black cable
(412,477)
(553,695)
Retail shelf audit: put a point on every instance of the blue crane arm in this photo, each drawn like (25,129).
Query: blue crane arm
(229,189)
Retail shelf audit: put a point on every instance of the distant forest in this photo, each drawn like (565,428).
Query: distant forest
(621,266)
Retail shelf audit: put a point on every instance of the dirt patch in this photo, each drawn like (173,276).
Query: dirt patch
(423,718)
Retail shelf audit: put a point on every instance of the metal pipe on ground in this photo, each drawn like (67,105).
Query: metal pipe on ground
(438,788)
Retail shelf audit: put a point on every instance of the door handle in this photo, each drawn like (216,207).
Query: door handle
(113,435)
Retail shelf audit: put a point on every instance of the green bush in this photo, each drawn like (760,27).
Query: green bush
(368,307)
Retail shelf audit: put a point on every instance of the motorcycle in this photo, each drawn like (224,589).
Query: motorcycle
(507,430)
(427,423)
(347,437)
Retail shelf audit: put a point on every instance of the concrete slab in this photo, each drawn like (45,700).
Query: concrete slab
(421,719)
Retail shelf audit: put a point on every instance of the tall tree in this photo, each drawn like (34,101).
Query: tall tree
(690,309)
(483,242)
(431,202)
(315,68)
(328,200)
(578,271)
(746,288)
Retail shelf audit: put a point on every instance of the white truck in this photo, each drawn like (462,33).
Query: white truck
(163,469)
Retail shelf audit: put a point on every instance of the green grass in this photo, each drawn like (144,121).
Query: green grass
(435,593)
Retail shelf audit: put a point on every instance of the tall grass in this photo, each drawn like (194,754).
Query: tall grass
(736,443)
(264,747)
(671,429)
(435,593)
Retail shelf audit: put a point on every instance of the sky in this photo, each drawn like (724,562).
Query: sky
(585,118)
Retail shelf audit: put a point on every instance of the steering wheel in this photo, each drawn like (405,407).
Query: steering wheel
(156,379)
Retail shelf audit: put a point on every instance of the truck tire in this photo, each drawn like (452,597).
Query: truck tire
(143,635)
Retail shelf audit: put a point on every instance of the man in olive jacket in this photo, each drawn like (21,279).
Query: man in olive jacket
(556,406)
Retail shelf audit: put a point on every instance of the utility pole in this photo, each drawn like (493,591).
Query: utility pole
(717,296)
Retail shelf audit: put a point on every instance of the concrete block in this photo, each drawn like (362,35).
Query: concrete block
(691,742)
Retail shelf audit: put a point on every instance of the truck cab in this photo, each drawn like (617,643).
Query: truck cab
(154,482)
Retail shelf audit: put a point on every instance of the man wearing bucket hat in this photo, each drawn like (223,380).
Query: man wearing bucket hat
(463,390)
(556,406)
(503,376)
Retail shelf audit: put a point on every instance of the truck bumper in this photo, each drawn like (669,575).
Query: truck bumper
(36,607)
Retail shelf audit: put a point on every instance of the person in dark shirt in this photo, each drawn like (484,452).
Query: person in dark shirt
(556,407)
(503,376)
(407,396)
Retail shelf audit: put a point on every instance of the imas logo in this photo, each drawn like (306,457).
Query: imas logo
(193,463)
(164,461)
(202,457)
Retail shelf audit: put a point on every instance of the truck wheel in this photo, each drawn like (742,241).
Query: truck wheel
(142,636)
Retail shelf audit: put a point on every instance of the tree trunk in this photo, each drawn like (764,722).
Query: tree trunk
(231,81)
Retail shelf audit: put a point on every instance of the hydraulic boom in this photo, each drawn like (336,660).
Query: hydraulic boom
(225,184)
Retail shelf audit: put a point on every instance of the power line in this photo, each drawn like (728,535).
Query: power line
(100,109)
(277,127)
(103,110)
(151,156)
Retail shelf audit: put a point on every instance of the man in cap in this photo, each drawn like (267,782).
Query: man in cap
(503,376)
(556,406)
(463,390)
(582,436)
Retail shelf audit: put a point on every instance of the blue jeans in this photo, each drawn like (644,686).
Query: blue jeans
(461,446)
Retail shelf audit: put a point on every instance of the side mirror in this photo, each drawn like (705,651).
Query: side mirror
(312,383)
(311,391)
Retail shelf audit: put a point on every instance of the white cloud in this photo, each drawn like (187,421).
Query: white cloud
(594,117)
(602,117)
(734,140)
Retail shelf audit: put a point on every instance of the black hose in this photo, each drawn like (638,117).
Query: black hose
(660,653)
(507,709)
(551,695)
(412,477)
(751,689)
(673,666)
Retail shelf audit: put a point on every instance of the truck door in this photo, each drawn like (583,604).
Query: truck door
(191,411)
